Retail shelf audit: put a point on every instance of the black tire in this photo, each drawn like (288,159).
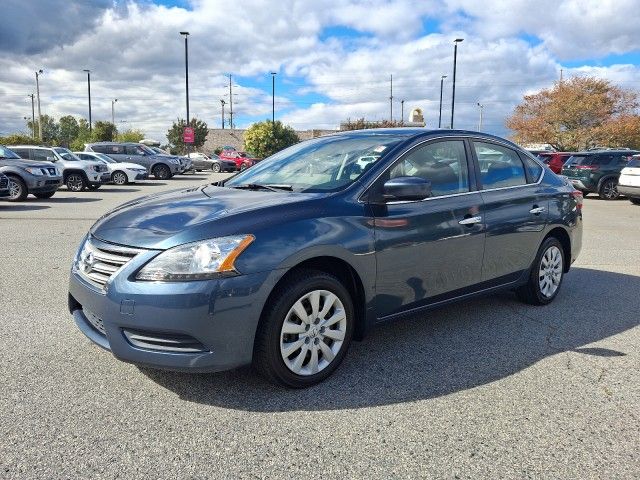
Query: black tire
(243,167)
(119,178)
(18,190)
(75,182)
(635,201)
(609,189)
(216,167)
(45,194)
(267,357)
(531,292)
(94,186)
(162,172)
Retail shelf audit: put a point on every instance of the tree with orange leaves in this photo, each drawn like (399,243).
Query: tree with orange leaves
(578,113)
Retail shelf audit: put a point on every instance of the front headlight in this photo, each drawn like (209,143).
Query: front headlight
(34,171)
(196,261)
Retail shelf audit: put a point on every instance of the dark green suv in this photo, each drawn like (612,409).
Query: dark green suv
(597,171)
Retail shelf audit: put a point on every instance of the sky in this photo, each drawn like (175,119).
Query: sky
(333,58)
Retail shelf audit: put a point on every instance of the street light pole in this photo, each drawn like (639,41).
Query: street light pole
(33,116)
(480,122)
(186,76)
(89,91)
(38,73)
(441,85)
(273,97)
(391,101)
(455,59)
(113,111)
(222,102)
(402,112)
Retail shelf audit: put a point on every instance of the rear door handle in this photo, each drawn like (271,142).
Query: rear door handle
(470,221)
(537,210)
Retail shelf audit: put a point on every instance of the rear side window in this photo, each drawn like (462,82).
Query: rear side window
(21,152)
(40,155)
(499,166)
(108,149)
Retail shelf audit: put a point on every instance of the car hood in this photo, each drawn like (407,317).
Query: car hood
(127,165)
(5,162)
(181,216)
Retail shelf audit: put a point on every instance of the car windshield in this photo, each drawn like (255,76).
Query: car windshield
(159,151)
(105,158)
(6,153)
(66,154)
(321,165)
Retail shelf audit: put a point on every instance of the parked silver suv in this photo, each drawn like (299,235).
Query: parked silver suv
(77,174)
(160,166)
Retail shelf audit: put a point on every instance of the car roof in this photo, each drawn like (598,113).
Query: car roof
(598,152)
(33,146)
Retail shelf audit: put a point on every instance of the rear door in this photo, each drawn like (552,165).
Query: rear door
(516,210)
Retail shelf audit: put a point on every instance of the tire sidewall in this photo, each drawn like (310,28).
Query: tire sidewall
(23,189)
(71,175)
(161,172)
(548,243)
(602,186)
(216,168)
(116,174)
(276,317)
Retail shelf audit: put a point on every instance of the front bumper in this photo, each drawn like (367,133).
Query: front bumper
(134,176)
(99,178)
(43,184)
(215,319)
(629,191)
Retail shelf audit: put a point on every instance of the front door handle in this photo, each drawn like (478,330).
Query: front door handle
(470,220)
(537,210)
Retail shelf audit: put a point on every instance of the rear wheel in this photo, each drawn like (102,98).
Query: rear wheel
(45,194)
(546,274)
(216,167)
(305,330)
(75,182)
(161,172)
(119,178)
(17,189)
(609,189)
(635,201)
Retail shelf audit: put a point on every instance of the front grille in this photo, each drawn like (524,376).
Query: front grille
(164,342)
(98,263)
(4,183)
(95,321)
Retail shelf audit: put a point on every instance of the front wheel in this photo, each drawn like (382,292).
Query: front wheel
(76,182)
(609,189)
(216,167)
(119,178)
(161,172)
(305,330)
(546,274)
(18,190)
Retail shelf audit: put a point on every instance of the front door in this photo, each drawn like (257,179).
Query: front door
(430,249)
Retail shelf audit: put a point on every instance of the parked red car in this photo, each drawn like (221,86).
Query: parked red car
(555,160)
(243,161)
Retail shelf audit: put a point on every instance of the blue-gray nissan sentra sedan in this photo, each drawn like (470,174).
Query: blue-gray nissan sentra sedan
(284,264)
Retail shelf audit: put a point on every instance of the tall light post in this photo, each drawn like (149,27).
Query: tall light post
(113,111)
(33,116)
(441,86)
(186,75)
(455,59)
(480,121)
(273,97)
(402,112)
(38,73)
(222,103)
(391,99)
(89,91)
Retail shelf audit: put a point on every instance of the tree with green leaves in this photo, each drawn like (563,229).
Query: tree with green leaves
(83,136)
(362,124)
(263,139)
(130,136)
(17,139)
(103,131)
(176,132)
(50,129)
(68,130)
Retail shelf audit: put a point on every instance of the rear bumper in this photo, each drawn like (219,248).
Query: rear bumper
(629,191)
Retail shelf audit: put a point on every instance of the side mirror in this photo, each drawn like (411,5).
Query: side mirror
(51,159)
(406,188)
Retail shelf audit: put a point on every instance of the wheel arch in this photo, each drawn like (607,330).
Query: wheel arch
(606,177)
(67,172)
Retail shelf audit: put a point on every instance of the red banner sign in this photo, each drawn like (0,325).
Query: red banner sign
(189,135)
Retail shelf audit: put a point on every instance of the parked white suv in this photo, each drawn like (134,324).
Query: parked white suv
(121,172)
(629,181)
(77,174)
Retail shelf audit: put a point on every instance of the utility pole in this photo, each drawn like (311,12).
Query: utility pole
(273,97)
(455,58)
(480,122)
(561,75)
(402,112)
(441,85)
(113,111)
(33,116)
(391,101)
(186,77)
(230,103)
(222,102)
(89,90)
(38,73)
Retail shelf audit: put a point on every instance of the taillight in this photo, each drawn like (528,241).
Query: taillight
(579,198)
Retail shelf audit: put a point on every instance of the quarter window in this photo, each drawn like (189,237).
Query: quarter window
(499,166)
(444,164)
(533,169)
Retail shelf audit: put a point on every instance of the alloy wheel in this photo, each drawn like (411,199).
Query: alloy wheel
(119,178)
(75,183)
(15,189)
(610,190)
(550,272)
(313,332)
(215,167)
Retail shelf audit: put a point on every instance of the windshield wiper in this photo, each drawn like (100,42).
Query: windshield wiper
(258,186)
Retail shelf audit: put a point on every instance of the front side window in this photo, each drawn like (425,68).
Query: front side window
(442,163)
(499,166)
(322,165)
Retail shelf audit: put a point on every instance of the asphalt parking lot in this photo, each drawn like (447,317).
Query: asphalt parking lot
(490,388)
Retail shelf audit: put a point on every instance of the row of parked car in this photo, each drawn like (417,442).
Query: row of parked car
(607,172)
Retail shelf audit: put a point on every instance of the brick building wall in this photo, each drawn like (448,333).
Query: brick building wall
(218,137)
